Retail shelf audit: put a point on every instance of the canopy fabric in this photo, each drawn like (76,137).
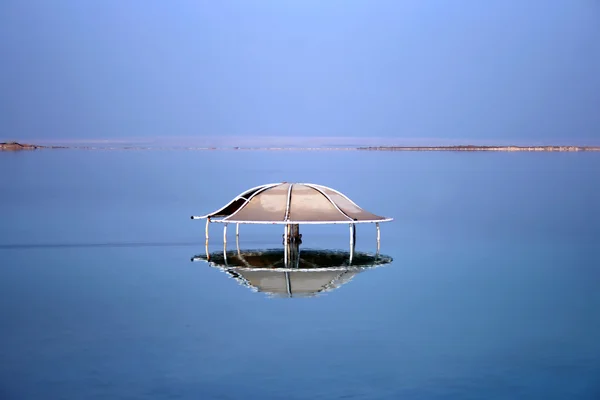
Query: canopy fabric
(289,203)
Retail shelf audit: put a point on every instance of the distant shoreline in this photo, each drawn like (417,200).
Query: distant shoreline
(480,148)
(15,146)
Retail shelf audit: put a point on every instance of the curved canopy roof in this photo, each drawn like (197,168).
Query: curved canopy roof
(293,203)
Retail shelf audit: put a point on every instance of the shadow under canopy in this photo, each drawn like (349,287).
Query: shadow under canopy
(313,271)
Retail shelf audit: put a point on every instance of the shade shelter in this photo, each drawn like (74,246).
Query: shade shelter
(292,204)
(313,272)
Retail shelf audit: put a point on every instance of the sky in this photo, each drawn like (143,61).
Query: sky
(407,72)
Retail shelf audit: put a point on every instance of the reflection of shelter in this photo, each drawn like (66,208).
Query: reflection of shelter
(314,271)
(293,204)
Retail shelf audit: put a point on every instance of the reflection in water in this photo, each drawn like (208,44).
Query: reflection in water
(309,272)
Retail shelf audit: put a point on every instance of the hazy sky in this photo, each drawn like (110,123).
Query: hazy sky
(505,70)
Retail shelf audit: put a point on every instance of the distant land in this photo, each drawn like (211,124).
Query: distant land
(11,146)
(481,148)
(16,146)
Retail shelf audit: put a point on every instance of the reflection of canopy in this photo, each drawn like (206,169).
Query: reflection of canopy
(292,283)
(293,203)
(318,271)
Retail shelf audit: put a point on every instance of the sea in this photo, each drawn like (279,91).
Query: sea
(490,287)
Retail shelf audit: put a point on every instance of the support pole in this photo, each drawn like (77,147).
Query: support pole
(224,233)
(294,259)
(237,230)
(295,235)
(378,237)
(351,242)
(207,222)
(285,245)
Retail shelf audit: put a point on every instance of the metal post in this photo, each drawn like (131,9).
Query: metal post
(294,233)
(378,237)
(295,254)
(351,242)
(207,222)
(237,230)
(206,249)
(224,233)
(225,252)
(285,245)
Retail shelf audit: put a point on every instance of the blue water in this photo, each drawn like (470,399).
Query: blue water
(493,292)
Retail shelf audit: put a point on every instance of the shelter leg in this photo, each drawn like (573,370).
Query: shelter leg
(352,236)
(378,237)
(295,235)
(207,223)
(224,233)
(294,254)
(285,245)
(292,233)
(237,230)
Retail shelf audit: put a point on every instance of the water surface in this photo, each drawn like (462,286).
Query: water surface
(493,291)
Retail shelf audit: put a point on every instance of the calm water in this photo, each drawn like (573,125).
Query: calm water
(493,292)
